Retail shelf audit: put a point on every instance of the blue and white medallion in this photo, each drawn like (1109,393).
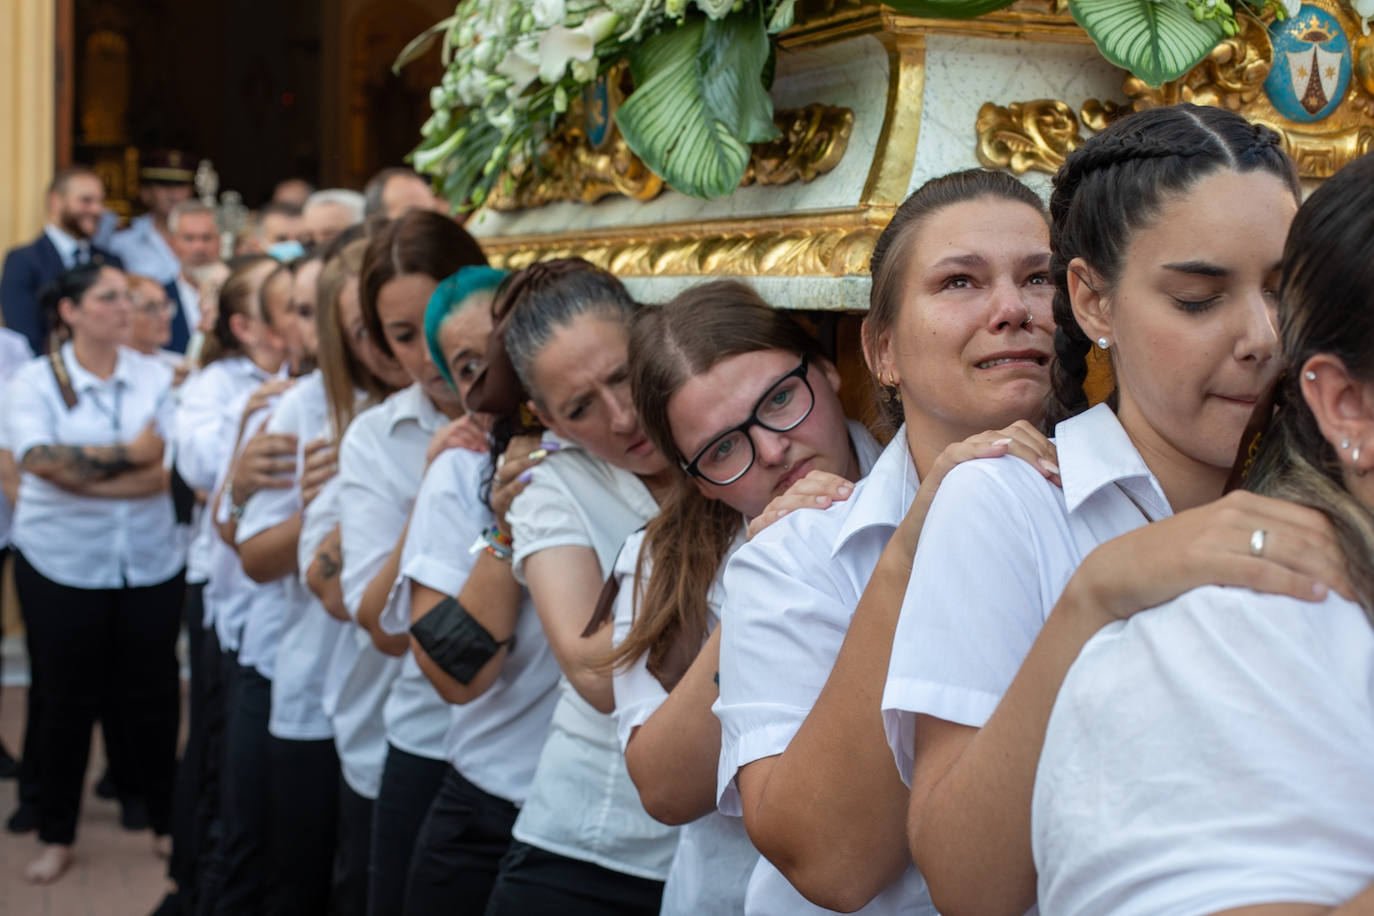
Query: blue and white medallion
(1312,63)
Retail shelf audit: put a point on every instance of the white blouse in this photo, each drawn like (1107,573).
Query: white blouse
(80,541)
(305,633)
(714,857)
(205,428)
(582,804)
(998,547)
(14,352)
(494,740)
(1213,753)
(381,465)
(790,594)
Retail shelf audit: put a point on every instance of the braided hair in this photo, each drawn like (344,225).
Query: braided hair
(1114,185)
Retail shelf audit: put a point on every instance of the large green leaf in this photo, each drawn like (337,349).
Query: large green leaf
(699,103)
(947,9)
(1156,41)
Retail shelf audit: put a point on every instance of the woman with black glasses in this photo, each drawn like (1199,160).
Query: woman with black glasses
(740,398)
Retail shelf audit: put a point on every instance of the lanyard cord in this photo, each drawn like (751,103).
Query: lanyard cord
(111,415)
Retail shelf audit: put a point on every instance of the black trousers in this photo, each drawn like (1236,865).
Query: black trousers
(185,799)
(302,825)
(219,668)
(536,882)
(350,860)
(409,784)
(244,795)
(458,851)
(110,652)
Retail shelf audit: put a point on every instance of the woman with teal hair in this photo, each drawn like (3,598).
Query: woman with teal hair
(451,323)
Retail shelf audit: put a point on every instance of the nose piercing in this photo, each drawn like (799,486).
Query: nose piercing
(1026,322)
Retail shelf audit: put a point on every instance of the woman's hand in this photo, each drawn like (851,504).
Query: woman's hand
(1019,440)
(1211,545)
(817,490)
(146,447)
(268,462)
(321,464)
(463,432)
(515,472)
(263,396)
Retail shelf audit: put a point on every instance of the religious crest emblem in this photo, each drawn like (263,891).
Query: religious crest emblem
(1311,65)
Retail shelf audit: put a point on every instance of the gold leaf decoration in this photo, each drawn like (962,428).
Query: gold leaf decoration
(1027,135)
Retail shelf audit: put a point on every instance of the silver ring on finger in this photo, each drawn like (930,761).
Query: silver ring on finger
(1257,542)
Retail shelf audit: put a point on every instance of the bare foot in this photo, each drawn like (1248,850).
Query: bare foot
(162,846)
(49,866)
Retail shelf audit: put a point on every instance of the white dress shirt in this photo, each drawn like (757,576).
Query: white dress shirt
(144,251)
(305,634)
(206,425)
(494,740)
(998,547)
(381,464)
(1214,753)
(582,804)
(69,248)
(714,857)
(14,352)
(790,594)
(81,541)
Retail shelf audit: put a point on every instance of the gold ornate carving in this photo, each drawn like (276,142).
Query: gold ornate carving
(895,155)
(571,168)
(825,243)
(1027,135)
(1231,77)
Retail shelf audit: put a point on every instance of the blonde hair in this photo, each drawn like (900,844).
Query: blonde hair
(343,373)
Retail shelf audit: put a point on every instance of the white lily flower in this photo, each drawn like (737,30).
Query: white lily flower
(1365,10)
(549,13)
(715,9)
(521,66)
(560,45)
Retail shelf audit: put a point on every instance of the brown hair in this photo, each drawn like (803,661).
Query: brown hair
(888,263)
(343,373)
(419,242)
(240,295)
(685,543)
(1326,306)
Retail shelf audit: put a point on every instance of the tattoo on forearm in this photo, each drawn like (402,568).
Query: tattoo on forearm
(329,564)
(86,464)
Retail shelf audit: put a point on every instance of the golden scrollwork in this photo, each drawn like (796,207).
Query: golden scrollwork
(1027,135)
(827,243)
(1232,76)
(571,168)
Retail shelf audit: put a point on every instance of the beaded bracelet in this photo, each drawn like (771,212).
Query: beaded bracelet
(494,542)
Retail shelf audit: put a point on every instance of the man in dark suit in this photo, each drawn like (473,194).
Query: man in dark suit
(196,243)
(76,199)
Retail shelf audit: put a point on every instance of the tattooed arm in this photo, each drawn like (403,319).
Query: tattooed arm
(323,576)
(78,467)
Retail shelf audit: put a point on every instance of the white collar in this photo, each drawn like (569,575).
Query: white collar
(881,499)
(413,404)
(1095,453)
(85,380)
(65,243)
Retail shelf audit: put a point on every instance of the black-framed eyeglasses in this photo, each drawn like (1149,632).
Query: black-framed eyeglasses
(783,407)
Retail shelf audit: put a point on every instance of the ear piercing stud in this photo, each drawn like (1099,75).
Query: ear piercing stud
(1104,343)
(1310,375)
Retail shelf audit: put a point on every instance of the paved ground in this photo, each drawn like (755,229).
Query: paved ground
(116,872)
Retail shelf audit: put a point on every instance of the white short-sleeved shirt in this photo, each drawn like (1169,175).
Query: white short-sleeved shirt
(582,803)
(714,857)
(494,740)
(998,547)
(80,541)
(381,465)
(358,678)
(790,594)
(204,441)
(1213,753)
(306,634)
(14,352)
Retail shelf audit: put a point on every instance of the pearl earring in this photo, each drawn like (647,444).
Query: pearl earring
(1310,375)
(1104,343)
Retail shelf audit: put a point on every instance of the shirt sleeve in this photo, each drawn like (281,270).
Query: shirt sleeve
(268,507)
(1211,754)
(544,516)
(201,429)
(786,611)
(973,606)
(372,516)
(448,518)
(638,694)
(317,520)
(29,414)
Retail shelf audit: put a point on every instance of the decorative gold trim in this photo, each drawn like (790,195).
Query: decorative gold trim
(895,154)
(1027,135)
(813,142)
(822,243)
(1039,134)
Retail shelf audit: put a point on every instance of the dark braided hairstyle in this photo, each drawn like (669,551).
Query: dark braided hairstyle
(1114,185)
